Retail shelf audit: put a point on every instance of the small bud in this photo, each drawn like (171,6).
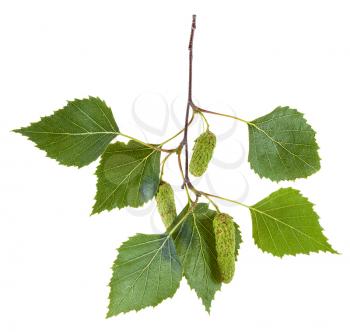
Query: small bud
(202,153)
(224,231)
(166,203)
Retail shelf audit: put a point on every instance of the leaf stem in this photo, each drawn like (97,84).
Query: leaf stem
(163,164)
(224,199)
(154,147)
(179,132)
(201,110)
(159,147)
(204,120)
(190,209)
(212,202)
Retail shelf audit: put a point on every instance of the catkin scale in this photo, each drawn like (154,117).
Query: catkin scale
(202,153)
(224,231)
(166,203)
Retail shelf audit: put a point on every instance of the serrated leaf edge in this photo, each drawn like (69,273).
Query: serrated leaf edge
(308,253)
(207,307)
(93,212)
(168,236)
(252,124)
(21,131)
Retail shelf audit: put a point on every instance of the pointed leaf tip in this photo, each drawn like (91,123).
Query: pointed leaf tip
(146,272)
(75,135)
(284,223)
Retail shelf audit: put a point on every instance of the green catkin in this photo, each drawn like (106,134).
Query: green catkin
(166,203)
(224,231)
(202,153)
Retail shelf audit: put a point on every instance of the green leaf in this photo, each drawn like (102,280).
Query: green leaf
(128,175)
(75,135)
(195,245)
(282,146)
(285,223)
(146,271)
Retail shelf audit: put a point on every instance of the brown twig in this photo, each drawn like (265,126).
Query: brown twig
(184,142)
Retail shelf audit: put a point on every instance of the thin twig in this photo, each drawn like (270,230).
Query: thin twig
(183,174)
(184,142)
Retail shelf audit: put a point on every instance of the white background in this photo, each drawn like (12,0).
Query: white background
(250,56)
